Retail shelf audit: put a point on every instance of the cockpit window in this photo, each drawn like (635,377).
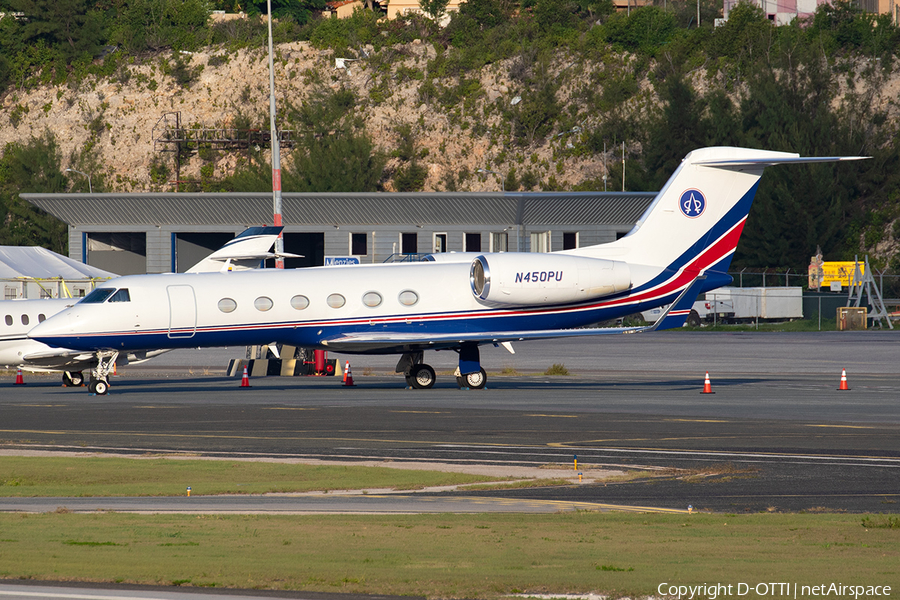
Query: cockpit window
(98,296)
(121,296)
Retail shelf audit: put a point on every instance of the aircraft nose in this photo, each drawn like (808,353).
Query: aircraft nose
(53,330)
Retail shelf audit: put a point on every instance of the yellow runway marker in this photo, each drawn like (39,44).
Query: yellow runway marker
(844,426)
(697,421)
(555,416)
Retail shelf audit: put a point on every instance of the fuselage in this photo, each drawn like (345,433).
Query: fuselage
(18,318)
(307,307)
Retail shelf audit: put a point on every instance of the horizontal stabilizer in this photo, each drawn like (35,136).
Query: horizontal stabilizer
(770,161)
(675,316)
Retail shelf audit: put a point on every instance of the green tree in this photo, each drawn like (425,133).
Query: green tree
(33,167)
(332,151)
(154,24)
(436,9)
(679,129)
(69,26)
(301,11)
(645,30)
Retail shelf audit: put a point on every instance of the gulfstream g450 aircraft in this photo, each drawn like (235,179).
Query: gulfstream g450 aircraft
(680,247)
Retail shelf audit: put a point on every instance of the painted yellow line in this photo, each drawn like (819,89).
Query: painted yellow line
(555,416)
(287,408)
(845,426)
(420,412)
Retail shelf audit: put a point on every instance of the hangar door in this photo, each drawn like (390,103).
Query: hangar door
(310,245)
(123,253)
(190,248)
(182,311)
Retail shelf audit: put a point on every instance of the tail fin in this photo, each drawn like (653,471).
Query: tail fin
(247,251)
(696,220)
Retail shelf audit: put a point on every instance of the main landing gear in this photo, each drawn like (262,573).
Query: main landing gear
(419,376)
(72,379)
(106,360)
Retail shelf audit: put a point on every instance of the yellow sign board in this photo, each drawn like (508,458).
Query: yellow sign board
(840,271)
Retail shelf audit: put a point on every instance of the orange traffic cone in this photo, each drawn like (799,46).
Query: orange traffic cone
(245,380)
(19,380)
(707,388)
(844,385)
(348,377)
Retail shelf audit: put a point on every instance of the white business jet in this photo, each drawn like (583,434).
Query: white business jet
(18,317)
(682,246)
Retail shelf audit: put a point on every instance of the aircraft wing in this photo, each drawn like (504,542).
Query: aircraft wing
(58,359)
(61,359)
(674,317)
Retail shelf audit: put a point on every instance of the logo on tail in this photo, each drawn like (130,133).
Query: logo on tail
(692,203)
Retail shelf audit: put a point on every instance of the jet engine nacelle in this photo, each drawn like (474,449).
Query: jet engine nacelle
(518,279)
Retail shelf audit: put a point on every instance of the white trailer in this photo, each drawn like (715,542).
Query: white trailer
(733,305)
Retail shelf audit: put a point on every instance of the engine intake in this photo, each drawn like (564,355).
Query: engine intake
(518,279)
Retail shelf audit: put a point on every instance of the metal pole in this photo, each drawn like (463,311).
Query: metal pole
(276,150)
(88,177)
(623,166)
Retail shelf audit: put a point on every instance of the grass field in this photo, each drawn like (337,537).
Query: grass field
(450,556)
(439,556)
(109,476)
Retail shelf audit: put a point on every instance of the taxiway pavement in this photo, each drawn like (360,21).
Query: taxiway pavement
(776,435)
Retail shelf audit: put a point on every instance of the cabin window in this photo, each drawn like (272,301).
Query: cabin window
(372,299)
(98,296)
(263,303)
(121,296)
(336,301)
(408,297)
(300,302)
(41,318)
(24,319)
(9,320)
(227,305)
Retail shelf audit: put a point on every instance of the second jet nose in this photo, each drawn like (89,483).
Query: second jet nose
(55,329)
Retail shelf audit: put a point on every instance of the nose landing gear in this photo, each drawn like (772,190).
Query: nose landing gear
(106,360)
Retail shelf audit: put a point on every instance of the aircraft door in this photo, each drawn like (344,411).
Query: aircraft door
(182,311)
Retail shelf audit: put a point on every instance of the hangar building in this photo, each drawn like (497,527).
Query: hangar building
(166,232)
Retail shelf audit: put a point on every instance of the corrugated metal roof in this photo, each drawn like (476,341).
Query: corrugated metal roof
(345,208)
(585,207)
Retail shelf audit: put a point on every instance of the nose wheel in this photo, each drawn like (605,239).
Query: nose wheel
(99,387)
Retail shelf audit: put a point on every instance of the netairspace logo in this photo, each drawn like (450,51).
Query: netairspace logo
(771,590)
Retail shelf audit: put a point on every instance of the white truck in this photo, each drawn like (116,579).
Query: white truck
(737,305)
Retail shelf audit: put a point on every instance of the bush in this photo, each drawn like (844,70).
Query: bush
(557,369)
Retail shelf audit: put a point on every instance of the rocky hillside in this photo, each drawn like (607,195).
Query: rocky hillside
(118,115)
(540,104)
